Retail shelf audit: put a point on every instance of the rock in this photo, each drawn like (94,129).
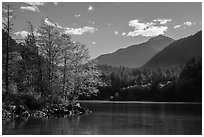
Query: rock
(79,108)
(19,110)
(39,114)
(25,114)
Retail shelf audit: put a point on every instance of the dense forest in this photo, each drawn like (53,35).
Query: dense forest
(181,83)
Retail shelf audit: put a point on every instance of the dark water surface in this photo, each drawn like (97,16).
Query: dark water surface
(118,119)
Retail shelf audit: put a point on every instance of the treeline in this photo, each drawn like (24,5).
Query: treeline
(46,67)
(176,83)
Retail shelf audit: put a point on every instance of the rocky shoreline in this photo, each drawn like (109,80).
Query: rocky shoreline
(56,110)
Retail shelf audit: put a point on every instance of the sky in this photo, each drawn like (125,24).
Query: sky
(108,26)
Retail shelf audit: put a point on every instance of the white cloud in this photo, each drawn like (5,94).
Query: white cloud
(151,31)
(33,6)
(48,22)
(21,33)
(90,8)
(187,23)
(123,33)
(162,21)
(66,30)
(115,32)
(145,29)
(77,15)
(93,42)
(177,26)
(137,25)
(79,31)
(72,31)
(35,3)
(30,8)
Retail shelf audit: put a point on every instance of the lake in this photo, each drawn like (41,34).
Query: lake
(121,118)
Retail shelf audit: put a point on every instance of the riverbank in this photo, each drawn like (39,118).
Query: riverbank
(21,111)
(139,102)
(14,111)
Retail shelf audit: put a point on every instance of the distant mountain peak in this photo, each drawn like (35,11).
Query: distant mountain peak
(135,55)
(158,38)
(178,52)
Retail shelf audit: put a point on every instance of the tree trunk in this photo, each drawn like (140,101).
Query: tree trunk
(38,59)
(7,50)
(64,78)
(49,58)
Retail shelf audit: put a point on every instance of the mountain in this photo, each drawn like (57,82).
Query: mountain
(178,52)
(135,56)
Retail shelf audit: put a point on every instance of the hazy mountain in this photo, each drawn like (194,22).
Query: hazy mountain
(135,55)
(178,52)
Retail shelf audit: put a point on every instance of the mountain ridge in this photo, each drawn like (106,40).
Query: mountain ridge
(135,55)
(178,52)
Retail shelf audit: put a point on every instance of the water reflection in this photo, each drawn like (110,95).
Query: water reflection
(117,119)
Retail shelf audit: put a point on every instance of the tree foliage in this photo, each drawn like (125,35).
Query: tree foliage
(49,65)
(178,83)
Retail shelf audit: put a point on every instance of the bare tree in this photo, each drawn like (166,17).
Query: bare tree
(66,41)
(48,37)
(33,37)
(7,15)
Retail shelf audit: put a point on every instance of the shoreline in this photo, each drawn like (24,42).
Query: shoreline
(135,102)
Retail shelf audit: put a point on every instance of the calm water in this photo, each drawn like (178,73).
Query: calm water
(119,119)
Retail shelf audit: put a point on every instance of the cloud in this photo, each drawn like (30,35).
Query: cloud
(150,32)
(137,25)
(123,34)
(162,21)
(79,31)
(90,8)
(22,34)
(185,24)
(30,8)
(33,6)
(72,31)
(177,26)
(147,29)
(77,15)
(66,30)
(35,3)
(115,32)
(93,42)
(48,22)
